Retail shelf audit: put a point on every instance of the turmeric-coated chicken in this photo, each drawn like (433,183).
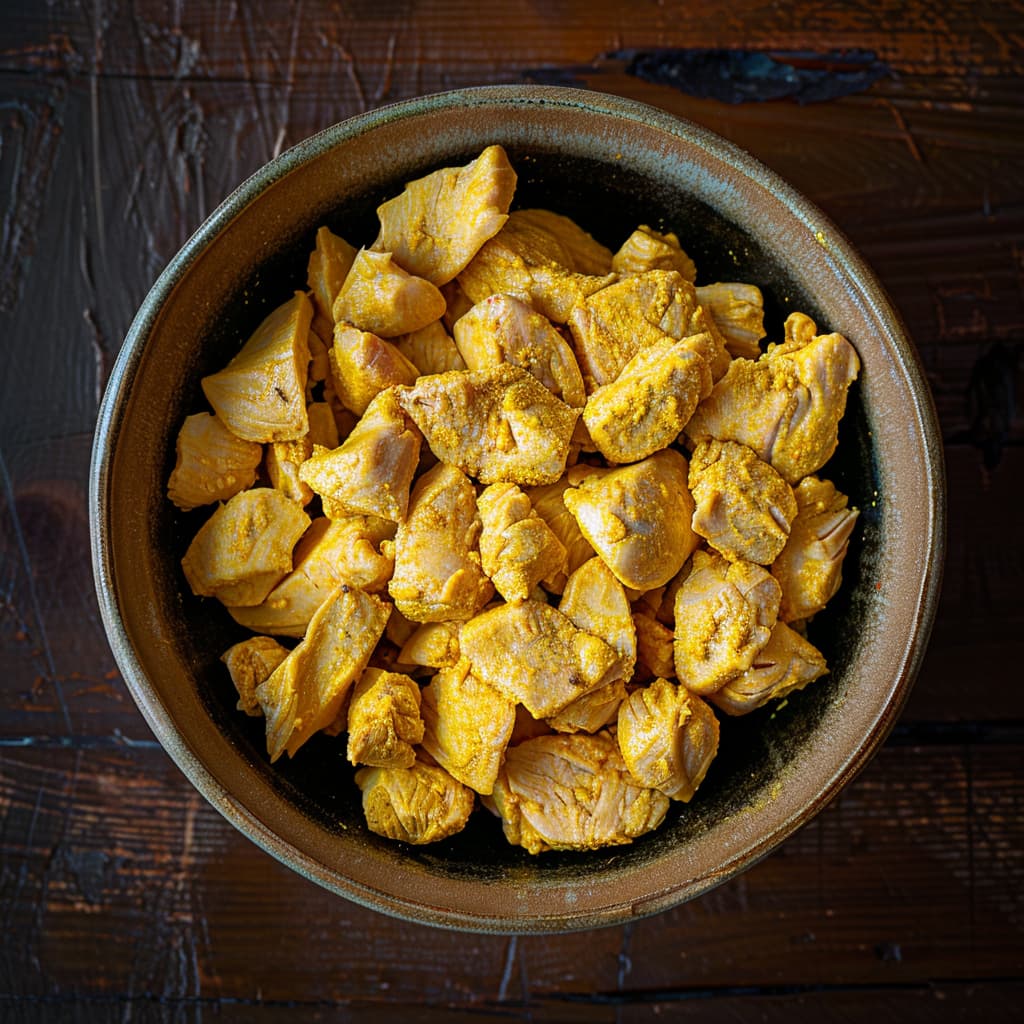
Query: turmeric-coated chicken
(548,504)
(567,243)
(384,722)
(431,349)
(212,463)
(431,645)
(248,664)
(329,264)
(654,647)
(591,712)
(363,365)
(647,249)
(738,312)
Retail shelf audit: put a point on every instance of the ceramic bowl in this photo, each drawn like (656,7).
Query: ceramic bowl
(610,164)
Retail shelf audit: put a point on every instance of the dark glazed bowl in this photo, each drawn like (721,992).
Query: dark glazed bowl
(611,164)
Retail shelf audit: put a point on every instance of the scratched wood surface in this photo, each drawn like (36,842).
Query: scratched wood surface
(123,895)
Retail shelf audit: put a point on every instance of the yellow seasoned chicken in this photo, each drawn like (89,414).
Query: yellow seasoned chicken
(738,312)
(438,576)
(637,518)
(548,504)
(647,249)
(567,243)
(282,462)
(431,645)
(384,722)
(787,405)
(654,647)
(496,425)
(306,691)
(212,463)
(468,725)
(592,711)
(245,548)
(810,567)
(431,350)
(724,614)
(420,804)
(261,394)
(668,738)
(744,509)
(329,264)
(248,664)
(573,793)
(438,223)
(534,655)
(363,365)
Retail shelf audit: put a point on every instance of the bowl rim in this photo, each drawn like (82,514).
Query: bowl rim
(848,266)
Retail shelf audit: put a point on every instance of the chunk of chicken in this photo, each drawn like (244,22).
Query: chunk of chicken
(573,793)
(323,428)
(468,725)
(321,331)
(787,405)
(282,462)
(212,463)
(654,646)
(724,614)
(363,365)
(438,223)
(306,691)
(459,304)
(738,312)
(517,548)
(568,243)
(245,548)
(431,350)
(261,394)
(547,503)
(592,711)
(329,264)
(421,804)
(788,662)
(533,654)
(496,425)
(379,296)
(637,518)
(503,329)
(437,575)
(668,738)
(248,664)
(432,645)
(647,249)
(810,566)
(744,509)
(384,720)
(370,474)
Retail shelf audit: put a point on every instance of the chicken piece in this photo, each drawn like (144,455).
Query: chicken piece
(787,405)
(321,331)
(788,662)
(431,350)
(646,407)
(329,264)
(654,646)
(496,425)
(323,429)
(363,365)
(647,249)
(370,474)
(468,725)
(437,575)
(668,738)
(245,548)
(517,548)
(724,613)
(502,329)
(744,509)
(417,805)
(569,244)
(355,550)
(384,720)
(380,297)
(547,503)
(738,312)
(212,463)
(432,645)
(306,691)
(249,663)
(459,303)
(261,394)
(282,462)
(592,711)
(637,518)
(526,728)
(535,655)
(573,793)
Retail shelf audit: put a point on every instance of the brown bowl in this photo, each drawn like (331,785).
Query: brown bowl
(611,164)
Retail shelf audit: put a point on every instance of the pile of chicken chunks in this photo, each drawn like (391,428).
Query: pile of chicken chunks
(524,511)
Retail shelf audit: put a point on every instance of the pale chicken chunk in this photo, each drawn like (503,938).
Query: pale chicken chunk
(380,297)
(306,691)
(438,223)
(592,711)
(724,614)
(548,504)
(431,350)
(431,645)
(261,394)
(468,725)
(647,249)
(787,663)
(787,405)
(329,264)
(384,722)
(654,646)
(738,312)
(573,793)
(744,509)
(248,664)
(363,365)
(371,473)
(323,428)
(245,548)
(533,654)
(569,244)
(282,462)
(212,463)
(503,329)
(517,548)
(496,425)
(438,576)
(637,518)
(417,805)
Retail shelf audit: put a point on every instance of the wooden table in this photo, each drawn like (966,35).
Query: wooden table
(123,895)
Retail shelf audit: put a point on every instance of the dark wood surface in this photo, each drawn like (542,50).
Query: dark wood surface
(123,895)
